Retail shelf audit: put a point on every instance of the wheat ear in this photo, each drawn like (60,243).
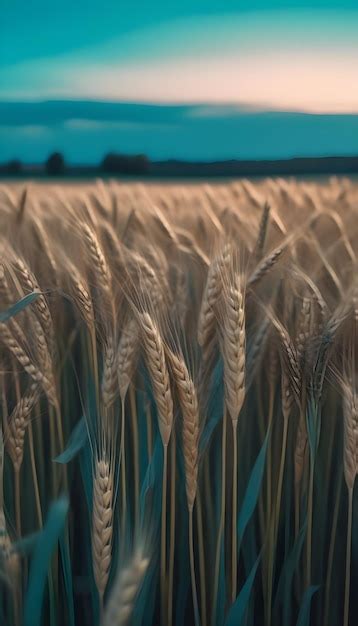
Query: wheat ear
(102,523)
(158,370)
(234,349)
(28,280)
(304,329)
(350,464)
(189,407)
(212,294)
(264,267)
(5,542)
(98,260)
(234,381)
(109,376)
(190,411)
(126,362)
(261,237)
(7,554)
(81,296)
(17,424)
(126,587)
(4,288)
(32,370)
(350,450)
(43,240)
(127,354)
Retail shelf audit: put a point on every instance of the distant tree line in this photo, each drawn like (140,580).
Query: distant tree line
(123,164)
(116,164)
(55,165)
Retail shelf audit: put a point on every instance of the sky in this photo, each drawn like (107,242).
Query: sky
(288,56)
(85,131)
(291,56)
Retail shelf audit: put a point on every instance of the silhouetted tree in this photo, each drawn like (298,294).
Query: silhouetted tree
(55,164)
(124,164)
(13,167)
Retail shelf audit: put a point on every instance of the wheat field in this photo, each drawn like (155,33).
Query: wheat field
(179,412)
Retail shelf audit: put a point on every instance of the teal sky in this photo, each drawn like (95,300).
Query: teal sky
(279,55)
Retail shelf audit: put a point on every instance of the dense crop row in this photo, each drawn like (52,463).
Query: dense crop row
(179,413)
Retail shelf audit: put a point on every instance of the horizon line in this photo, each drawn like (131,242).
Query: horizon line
(241,106)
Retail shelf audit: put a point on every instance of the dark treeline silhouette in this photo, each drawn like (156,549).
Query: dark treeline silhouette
(123,164)
(298,166)
(115,164)
(13,167)
(55,165)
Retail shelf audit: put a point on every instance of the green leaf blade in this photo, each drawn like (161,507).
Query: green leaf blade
(19,306)
(40,563)
(252,490)
(75,443)
(237,611)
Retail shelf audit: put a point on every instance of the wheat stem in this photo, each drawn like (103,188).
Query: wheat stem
(348,557)
(269,458)
(309,524)
(192,569)
(172,527)
(134,421)
(274,523)
(123,468)
(34,475)
(234,514)
(148,417)
(163,553)
(17,501)
(222,521)
(332,544)
(297,511)
(280,477)
(95,363)
(202,570)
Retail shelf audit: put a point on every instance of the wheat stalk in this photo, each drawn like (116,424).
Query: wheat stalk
(350,465)
(287,398)
(43,240)
(233,348)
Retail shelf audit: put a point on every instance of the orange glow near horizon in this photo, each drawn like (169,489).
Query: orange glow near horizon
(285,82)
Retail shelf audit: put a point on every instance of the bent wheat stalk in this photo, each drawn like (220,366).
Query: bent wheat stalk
(158,370)
(190,411)
(234,381)
(350,461)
